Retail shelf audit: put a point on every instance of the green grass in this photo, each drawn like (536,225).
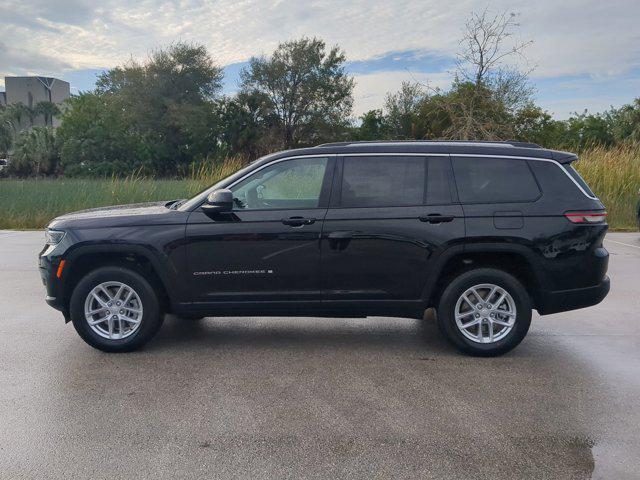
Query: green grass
(613,174)
(31,203)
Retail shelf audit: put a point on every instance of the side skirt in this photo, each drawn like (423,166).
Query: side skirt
(328,309)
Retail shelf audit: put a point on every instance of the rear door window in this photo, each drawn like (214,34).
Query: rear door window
(383,181)
(494,180)
(439,181)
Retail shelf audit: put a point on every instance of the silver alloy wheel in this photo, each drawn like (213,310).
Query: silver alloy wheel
(485,313)
(113,310)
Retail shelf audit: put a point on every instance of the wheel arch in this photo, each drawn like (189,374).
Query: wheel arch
(87,258)
(516,260)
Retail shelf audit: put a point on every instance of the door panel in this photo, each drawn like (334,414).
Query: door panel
(383,253)
(377,252)
(268,248)
(254,256)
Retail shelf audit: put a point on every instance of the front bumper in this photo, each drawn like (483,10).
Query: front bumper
(54,302)
(54,288)
(565,300)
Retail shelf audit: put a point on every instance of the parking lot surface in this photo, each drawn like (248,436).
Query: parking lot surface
(318,398)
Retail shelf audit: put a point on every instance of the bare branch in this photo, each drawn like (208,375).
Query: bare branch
(483,45)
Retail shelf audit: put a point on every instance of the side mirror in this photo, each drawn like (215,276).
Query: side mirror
(218,201)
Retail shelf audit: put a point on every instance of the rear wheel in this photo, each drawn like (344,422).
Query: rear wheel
(485,312)
(115,309)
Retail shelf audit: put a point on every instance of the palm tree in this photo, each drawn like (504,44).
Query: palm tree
(6,132)
(34,152)
(11,118)
(48,110)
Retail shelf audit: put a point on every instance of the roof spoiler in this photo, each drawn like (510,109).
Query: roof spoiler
(563,157)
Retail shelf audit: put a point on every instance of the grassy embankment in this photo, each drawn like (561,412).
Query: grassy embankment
(613,174)
(31,203)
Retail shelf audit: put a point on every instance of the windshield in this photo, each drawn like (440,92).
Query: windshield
(200,197)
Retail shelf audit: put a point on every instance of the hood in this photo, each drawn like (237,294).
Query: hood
(117,215)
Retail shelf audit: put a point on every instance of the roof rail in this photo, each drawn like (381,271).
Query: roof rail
(516,143)
(486,143)
(337,144)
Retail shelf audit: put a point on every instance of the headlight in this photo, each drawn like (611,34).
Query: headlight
(53,237)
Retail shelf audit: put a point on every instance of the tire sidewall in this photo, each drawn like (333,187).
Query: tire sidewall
(449,298)
(151,318)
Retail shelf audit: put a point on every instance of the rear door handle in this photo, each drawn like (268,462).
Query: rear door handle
(436,218)
(298,221)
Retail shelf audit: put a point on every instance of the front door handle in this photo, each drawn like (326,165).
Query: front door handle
(298,221)
(436,218)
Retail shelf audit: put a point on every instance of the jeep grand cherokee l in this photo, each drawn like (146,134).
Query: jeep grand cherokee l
(484,232)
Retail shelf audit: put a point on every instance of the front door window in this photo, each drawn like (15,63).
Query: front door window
(286,185)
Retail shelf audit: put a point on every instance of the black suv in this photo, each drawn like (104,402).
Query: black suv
(482,231)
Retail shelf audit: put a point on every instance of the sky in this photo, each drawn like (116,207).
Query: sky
(585,53)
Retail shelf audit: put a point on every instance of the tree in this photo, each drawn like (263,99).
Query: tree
(624,122)
(307,89)
(6,132)
(96,138)
(483,46)
(486,93)
(159,116)
(34,152)
(402,110)
(11,117)
(247,122)
(373,126)
(48,110)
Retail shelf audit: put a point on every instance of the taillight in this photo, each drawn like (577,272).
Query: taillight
(586,217)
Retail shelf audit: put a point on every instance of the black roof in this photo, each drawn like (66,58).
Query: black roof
(510,148)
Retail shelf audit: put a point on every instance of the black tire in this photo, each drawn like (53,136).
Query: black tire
(151,318)
(451,294)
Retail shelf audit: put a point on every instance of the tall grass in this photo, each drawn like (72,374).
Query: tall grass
(613,174)
(31,203)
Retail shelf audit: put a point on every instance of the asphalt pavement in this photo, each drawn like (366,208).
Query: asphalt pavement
(318,398)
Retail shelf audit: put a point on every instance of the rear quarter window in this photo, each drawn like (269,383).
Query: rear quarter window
(494,180)
(579,180)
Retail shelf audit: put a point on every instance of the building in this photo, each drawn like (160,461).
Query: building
(30,91)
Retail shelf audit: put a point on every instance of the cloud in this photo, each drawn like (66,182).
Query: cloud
(571,38)
(371,89)
(22,61)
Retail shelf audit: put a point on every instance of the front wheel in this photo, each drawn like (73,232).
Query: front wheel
(115,309)
(484,312)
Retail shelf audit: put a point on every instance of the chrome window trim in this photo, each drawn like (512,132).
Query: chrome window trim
(432,144)
(478,155)
(412,154)
(549,160)
(278,161)
(268,164)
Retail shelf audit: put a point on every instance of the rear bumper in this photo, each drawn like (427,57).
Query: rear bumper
(565,300)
